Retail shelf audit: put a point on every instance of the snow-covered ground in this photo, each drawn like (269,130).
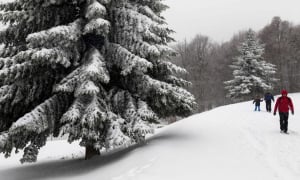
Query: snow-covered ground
(230,142)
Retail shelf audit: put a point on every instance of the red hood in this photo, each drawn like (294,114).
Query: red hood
(284,92)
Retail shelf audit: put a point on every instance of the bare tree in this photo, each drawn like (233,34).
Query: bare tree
(277,36)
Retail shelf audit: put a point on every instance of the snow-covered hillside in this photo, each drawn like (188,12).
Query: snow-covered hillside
(231,142)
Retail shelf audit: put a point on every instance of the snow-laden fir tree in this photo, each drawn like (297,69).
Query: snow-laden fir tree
(252,75)
(94,70)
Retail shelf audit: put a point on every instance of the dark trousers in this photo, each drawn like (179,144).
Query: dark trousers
(268,105)
(284,116)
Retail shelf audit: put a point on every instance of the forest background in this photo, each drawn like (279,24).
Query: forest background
(208,61)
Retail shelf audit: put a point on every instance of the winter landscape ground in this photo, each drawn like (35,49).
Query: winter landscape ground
(231,142)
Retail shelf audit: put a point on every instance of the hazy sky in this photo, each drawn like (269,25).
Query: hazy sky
(220,19)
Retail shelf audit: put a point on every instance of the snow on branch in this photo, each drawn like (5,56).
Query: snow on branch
(64,35)
(51,56)
(136,23)
(172,68)
(9,75)
(166,51)
(127,61)
(42,117)
(84,119)
(148,35)
(144,112)
(8,62)
(163,31)
(146,10)
(144,49)
(156,5)
(177,94)
(178,81)
(136,113)
(7,92)
(135,46)
(39,121)
(97,26)
(95,67)
(3,139)
(69,83)
(72,115)
(86,88)
(115,138)
(104,1)
(95,10)
(13,66)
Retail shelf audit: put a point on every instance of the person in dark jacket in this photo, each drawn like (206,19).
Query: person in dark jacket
(284,104)
(257,101)
(268,99)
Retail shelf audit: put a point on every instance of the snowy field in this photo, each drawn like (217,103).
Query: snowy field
(228,143)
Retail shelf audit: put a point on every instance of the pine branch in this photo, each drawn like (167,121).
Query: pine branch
(40,120)
(127,61)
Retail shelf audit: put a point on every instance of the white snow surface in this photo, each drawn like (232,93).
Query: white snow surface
(231,142)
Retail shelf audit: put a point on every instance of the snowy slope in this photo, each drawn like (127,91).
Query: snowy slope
(231,142)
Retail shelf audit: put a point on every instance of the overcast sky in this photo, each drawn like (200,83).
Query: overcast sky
(220,19)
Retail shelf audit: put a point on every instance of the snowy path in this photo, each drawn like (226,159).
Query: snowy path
(230,142)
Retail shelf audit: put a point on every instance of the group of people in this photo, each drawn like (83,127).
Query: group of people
(268,99)
(283,104)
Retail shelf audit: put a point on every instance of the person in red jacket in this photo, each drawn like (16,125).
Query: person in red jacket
(284,104)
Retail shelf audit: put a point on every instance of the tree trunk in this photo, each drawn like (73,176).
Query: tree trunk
(90,151)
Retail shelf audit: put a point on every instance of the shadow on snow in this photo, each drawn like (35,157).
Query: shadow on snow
(79,166)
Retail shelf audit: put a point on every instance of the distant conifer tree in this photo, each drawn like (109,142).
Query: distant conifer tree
(251,74)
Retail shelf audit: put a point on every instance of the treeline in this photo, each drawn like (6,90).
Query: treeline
(208,62)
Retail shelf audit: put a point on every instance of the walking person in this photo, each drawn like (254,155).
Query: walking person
(284,104)
(257,101)
(268,99)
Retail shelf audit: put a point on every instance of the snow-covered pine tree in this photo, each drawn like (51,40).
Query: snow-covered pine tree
(252,75)
(95,70)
